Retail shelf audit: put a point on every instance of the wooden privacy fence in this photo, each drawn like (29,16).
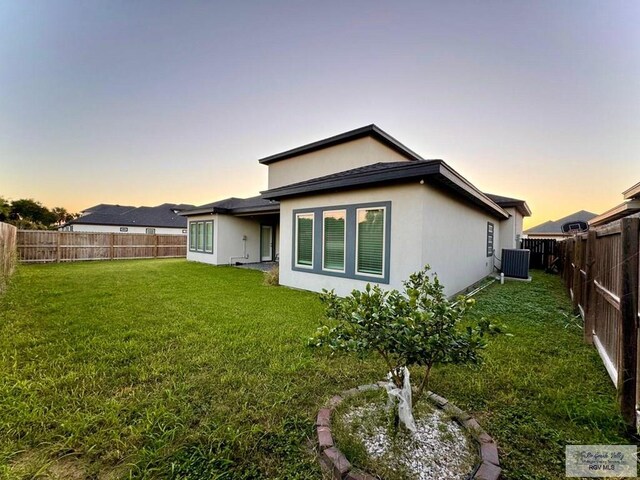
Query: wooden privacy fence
(7,252)
(42,246)
(600,270)
(542,251)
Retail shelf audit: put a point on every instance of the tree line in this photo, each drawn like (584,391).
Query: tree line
(28,214)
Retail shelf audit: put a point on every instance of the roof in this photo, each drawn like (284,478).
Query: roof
(369,131)
(555,226)
(625,209)
(236,206)
(108,209)
(432,171)
(506,202)
(164,215)
(632,192)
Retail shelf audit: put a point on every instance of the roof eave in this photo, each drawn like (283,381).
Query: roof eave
(619,211)
(632,193)
(367,131)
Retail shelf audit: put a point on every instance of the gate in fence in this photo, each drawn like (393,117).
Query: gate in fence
(543,251)
(601,271)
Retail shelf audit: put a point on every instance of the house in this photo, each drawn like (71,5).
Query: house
(630,206)
(162,219)
(358,208)
(553,228)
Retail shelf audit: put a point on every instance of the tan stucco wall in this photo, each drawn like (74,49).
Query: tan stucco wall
(427,227)
(227,240)
(454,240)
(339,158)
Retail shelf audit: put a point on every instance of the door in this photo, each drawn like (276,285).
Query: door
(266,243)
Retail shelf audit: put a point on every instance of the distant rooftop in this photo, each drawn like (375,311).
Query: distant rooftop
(554,227)
(165,215)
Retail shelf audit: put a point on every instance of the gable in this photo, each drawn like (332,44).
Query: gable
(333,159)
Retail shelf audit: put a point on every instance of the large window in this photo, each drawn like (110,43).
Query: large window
(333,239)
(370,241)
(304,240)
(201,236)
(489,239)
(350,241)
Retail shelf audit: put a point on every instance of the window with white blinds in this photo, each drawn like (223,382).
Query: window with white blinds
(333,239)
(304,240)
(370,241)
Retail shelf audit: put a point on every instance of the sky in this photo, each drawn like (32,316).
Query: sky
(147,102)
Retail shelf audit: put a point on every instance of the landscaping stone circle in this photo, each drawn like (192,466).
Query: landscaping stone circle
(335,462)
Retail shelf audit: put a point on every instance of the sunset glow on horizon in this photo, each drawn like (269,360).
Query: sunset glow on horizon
(143,103)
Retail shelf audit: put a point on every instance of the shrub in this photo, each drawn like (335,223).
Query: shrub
(272,277)
(418,327)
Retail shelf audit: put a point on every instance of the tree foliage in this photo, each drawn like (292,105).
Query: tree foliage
(27,213)
(416,327)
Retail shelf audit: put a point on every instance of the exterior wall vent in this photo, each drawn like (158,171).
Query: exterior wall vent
(515,263)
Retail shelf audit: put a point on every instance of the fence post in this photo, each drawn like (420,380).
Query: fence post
(589,302)
(627,372)
(111,248)
(58,235)
(155,245)
(577,260)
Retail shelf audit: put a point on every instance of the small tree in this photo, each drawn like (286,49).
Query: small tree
(419,327)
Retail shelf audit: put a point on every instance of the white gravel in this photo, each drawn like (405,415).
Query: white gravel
(439,449)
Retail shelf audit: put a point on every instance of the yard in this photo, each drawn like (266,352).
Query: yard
(169,369)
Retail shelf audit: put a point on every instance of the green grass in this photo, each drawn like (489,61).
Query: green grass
(169,369)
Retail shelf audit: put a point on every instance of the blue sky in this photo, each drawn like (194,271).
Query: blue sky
(151,102)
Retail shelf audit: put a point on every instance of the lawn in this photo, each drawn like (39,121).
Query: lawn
(169,369)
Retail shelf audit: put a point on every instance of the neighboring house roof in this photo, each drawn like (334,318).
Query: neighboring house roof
(368,131)
(630,206)
(632,193)
(432,171)
(107,209)
(165,215)
(554,227)
(236,206)
(506,202)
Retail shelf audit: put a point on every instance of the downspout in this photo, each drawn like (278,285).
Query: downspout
(245,255)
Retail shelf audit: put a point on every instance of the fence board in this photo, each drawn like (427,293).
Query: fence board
(37,246)
(543,251)
(8,235)
(600,270)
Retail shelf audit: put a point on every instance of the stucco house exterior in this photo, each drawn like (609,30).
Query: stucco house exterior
(161,219)
(358,208)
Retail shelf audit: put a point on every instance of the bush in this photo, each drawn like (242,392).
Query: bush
(418,327)
(272,277)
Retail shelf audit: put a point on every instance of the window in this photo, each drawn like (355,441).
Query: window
(201,236)
(124,229)
(192,236)
(151,231)
(304,240)
(208,234)
(200,245)
(370,241)
(348,241)
(489,239)
(333,239)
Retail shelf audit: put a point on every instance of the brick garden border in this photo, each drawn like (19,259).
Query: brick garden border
(334,460)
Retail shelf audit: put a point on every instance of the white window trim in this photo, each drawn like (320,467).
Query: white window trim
(384,242)
(344,242)
(313,228)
